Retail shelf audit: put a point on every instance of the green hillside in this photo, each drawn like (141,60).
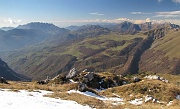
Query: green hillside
(169,44)
(96,53)
(164,55)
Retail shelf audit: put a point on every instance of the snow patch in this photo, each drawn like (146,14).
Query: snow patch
(72,81)
(90,94)
(34,100)
(170,103)
(136,101)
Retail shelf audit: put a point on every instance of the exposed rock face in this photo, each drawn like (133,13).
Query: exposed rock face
(72,73)
(127,27)
(98,81)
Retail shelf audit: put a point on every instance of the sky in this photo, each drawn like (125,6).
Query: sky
(78,12)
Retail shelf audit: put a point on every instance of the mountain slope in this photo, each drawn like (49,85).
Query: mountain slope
(8,73)
(99,49)
(98,53)
(27,35)
(127,27)
(164,55)
(6,28)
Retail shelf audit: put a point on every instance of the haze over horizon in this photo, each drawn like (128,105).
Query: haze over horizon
(70,12)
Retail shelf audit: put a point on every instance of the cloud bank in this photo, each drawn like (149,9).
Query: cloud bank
(168,14)
(176,1)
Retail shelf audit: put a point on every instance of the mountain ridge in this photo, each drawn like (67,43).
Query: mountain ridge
(90,47)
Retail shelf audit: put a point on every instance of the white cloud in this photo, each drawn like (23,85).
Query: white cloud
(176,1)
(169,14)
(10,22)
(95,13)
(136,12)
(139,13)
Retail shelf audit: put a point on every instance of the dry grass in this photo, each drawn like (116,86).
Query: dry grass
(158,89)
(162,91)
(33,86)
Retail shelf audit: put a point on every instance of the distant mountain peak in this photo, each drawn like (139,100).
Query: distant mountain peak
(36,25)
(6,28)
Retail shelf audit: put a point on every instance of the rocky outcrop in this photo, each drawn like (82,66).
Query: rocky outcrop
(72,73)
(155,77)
(90,80)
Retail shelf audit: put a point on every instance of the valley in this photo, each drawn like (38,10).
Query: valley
(123,66)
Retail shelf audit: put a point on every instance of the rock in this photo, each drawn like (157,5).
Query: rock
(148,98)
(89,76)
(42,82)
(81,87)
(60,79)
(3,80)
(164,80)
(136,79)
(178,97)
(155,100)
(85,70)
(46,81)
(72,73)
(124,82)
(155,77)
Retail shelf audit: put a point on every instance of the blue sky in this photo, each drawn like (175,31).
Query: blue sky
(77,12)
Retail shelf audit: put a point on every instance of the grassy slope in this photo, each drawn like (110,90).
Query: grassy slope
(45,60)
(73,49)
(169,44)
(163,56)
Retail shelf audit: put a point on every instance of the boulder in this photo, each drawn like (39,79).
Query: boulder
(136,79)
(148,98)
(89,76)
(42,82)
(82,87)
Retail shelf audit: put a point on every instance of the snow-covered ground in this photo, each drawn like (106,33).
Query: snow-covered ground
(34,100)
(114,100)
(136,101)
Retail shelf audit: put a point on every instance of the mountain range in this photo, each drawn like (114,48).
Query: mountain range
(124,48)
